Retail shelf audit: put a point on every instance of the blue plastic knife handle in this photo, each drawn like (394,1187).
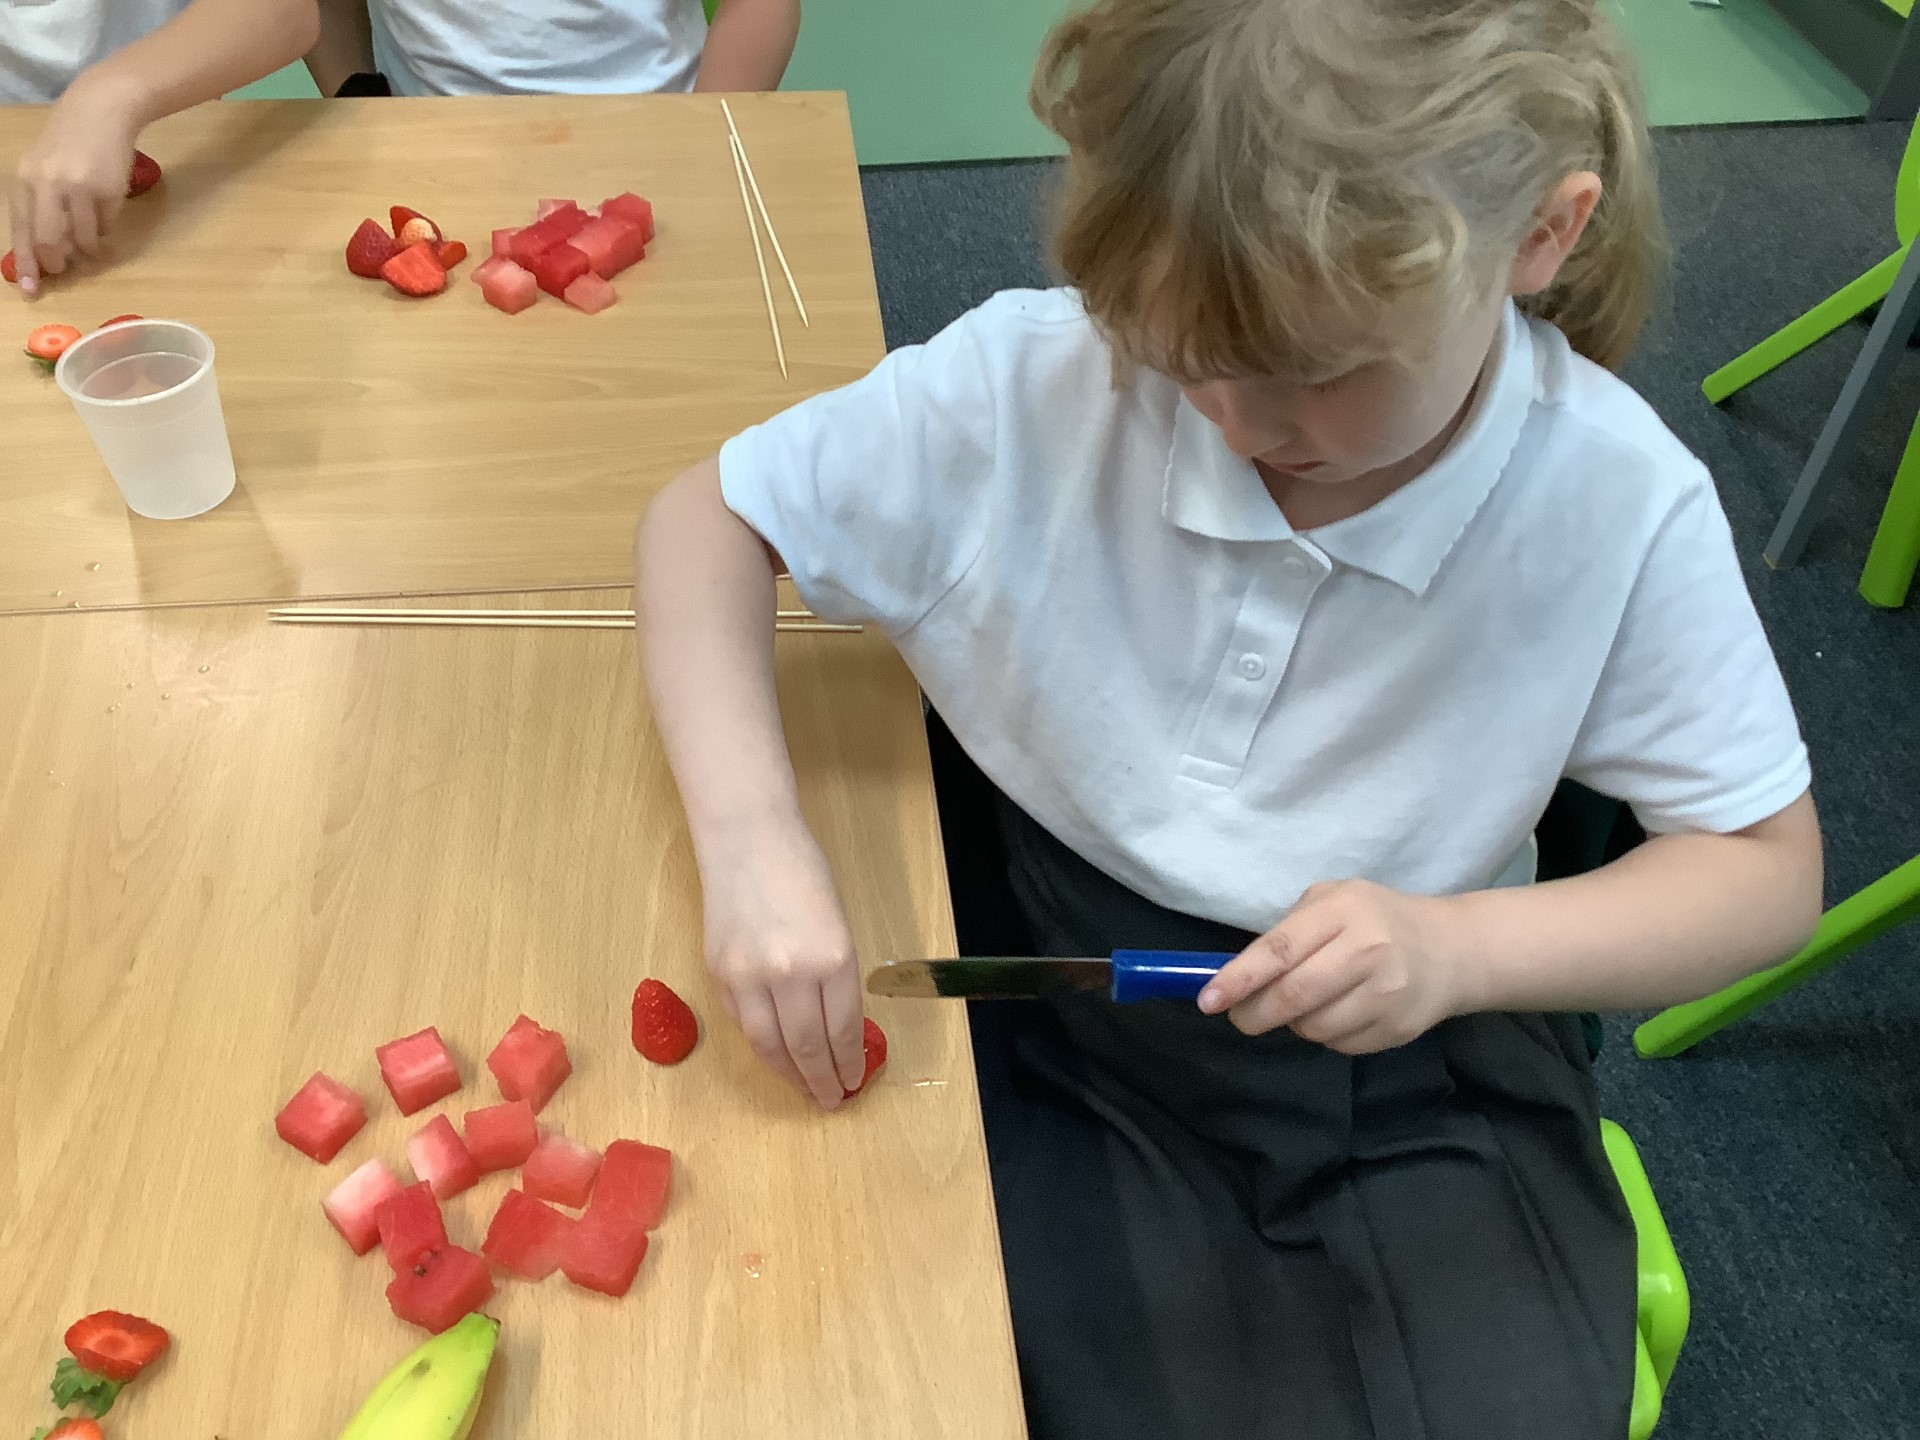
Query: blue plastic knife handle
(1163,974)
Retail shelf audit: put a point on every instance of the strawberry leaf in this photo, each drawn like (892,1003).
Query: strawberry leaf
(40,1434)
(75,1385)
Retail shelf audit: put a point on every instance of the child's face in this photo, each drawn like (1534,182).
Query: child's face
(1376,420)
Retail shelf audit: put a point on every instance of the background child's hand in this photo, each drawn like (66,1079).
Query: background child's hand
(68,188)
(1354,966)
(778,944)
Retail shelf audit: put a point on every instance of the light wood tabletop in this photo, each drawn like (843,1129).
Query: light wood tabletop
(236,853)
(391,446)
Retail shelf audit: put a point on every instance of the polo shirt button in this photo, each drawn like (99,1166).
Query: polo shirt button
(1252,666)
(1293,565)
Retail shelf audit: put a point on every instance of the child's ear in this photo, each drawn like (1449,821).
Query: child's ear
(1558,224)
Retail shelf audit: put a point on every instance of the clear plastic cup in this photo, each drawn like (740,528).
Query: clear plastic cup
(146,393)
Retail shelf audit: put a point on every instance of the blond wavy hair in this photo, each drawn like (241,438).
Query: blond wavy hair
(1294,187)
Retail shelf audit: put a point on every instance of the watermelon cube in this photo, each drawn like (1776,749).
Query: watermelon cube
(509,288)
(631,208)
(418,1069)
(560,1170)
(558,267)
(492,265)
(526,1236)
(547,207)
(634,1182)
(501,1136)
(530,1063)
(590,294)
(442,1286)
(321,1118)
(439,1157)
(541,236)
(410,1226)
(502,239)
(603,1253)
(611,245)
(353,1205)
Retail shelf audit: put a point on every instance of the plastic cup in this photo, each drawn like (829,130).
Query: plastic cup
(146,393)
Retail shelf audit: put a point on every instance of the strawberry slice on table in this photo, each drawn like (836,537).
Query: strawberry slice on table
(9,271)
(423,228)
(47,343)
(72,1428)
(664,1027)
(450,253)
(873,1040)
(115,1344)
(369,248)
(144,175)
(120,320)
(416,270)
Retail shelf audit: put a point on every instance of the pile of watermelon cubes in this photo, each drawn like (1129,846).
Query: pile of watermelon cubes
(620,1195)
(568,252)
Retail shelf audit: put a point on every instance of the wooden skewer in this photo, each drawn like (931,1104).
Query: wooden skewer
(350,612)
(507,622)
(772,234)
(746,203)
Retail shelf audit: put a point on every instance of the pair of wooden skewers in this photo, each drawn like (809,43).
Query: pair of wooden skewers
(795,621)
(743,172)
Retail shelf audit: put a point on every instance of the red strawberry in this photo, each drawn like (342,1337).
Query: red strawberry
(664,1028)
(115,1345)
(118,318)
(873,1040)
(451,253)
(424,229)
(74,1429)
(8,271)
(416,270)
(47,343)
(369,249)
(144,175)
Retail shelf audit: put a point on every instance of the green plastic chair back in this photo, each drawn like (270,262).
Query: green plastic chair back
(1664,1306)
(1906,190)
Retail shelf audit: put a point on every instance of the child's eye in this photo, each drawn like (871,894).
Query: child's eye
(1332,382)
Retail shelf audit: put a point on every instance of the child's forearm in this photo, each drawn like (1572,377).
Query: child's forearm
(1677,918)
(704,595)
(344,47)
(748,45)
(209,48)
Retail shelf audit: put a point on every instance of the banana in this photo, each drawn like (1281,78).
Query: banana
(435,1392)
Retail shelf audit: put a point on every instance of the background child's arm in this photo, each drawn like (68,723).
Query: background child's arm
(68,187)
(344,47)
(776,939)
(748,45)
(1363,968)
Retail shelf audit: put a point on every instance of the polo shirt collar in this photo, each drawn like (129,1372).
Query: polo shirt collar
(1213,492)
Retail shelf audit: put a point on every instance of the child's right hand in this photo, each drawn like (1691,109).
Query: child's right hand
(777,943)
(67,191)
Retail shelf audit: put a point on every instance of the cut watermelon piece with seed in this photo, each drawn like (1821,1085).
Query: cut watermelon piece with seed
(558,267)
(526,1236)
(501,1137)
(440,1157)
(634,1182)
(603,1252)
(440,1287)
(530,1063)
(509,288)
(411,1226)
(610,245)
(590,294)
(560,1170)
(321,1117)
(418,1069)
(354,1204)
(631,208)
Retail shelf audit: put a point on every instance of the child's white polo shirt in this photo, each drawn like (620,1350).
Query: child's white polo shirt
(1126,635)
(571,47)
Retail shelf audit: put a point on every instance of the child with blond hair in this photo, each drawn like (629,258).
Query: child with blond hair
(1275,572)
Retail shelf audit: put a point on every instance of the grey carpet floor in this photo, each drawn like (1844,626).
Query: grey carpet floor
(1785,1151)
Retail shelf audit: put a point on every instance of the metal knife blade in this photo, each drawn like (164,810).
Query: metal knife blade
(992,977)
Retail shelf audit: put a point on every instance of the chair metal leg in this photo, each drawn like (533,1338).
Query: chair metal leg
(1838,437)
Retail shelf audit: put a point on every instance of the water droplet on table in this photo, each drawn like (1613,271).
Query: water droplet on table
(94,566)
(923,1082)
(752,1262)
(205,668)
(113,707)
(166,695)
(58,593)
(76,605)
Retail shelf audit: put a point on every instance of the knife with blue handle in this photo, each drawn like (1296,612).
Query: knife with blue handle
(1126,975)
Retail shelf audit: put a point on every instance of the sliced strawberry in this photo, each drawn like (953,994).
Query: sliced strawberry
(74,1428)
(9,272)
(369,249)
(47,343)
(450,253)
(144,175)
(120,320)
(873,1040)
(116,1345)
(402,217)
(416,270)
(664,1027)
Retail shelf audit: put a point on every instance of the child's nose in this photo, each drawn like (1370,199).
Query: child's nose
(1249,427)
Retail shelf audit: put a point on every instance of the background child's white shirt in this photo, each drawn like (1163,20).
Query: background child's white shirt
(582,47)
(44,44)
(1123,631)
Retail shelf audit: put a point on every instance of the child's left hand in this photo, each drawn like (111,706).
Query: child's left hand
(1354,966)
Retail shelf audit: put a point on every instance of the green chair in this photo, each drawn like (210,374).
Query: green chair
(1664,1308)
(1891,900)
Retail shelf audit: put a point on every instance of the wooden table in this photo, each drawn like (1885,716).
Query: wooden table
(236,853)
(388,445)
